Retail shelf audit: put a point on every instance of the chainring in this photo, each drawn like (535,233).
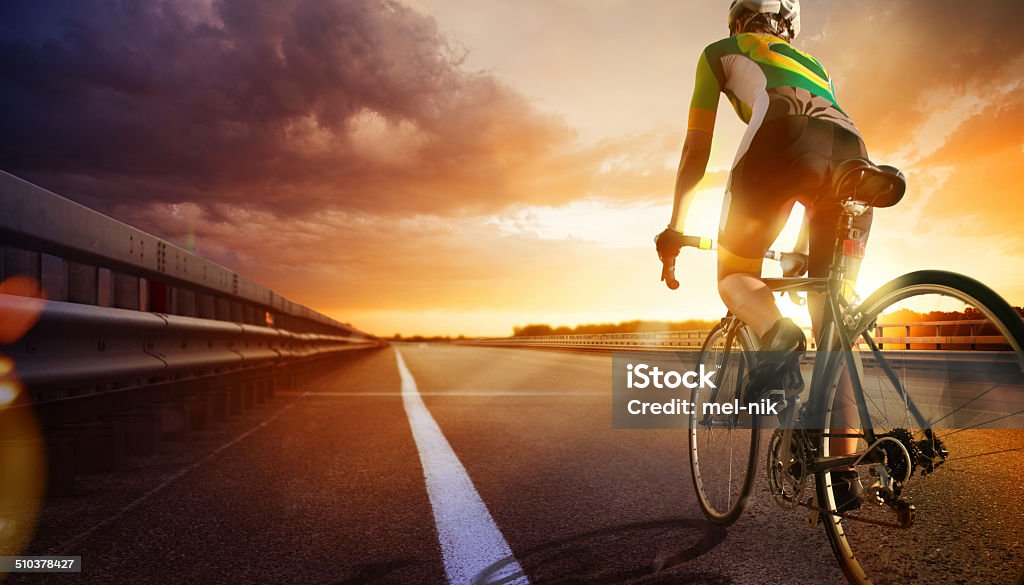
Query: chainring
(787,481)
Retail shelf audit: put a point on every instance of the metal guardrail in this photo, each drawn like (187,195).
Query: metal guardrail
(78,345)
(654,341)
(126,309)
(692,340)
(83,256)
(906,340)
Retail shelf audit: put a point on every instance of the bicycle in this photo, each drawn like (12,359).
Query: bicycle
(903,415)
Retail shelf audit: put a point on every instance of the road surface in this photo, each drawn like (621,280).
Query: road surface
(349,481)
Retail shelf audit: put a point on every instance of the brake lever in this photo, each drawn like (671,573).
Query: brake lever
(668,273)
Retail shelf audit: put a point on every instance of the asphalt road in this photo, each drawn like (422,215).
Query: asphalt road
(348,481)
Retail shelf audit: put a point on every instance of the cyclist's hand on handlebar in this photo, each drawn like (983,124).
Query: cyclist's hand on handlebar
(668,242)
(793,264)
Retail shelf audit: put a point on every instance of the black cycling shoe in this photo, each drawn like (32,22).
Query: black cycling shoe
(779,369)
(847,490)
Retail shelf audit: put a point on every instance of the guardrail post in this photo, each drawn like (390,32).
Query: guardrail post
(248,395)
(83,283)
(270,382)
(261,389)
(142,430)
(22,262)
(235,402)
(223,308)
(277,378)
(237,312)
(174,420)
(218,405)
(159,297)
(53,277)
(183,301)
(99,447)
(126,291)
(198,412)
(104,288)
(206,307)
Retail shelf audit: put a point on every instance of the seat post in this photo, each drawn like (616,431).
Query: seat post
(847,243)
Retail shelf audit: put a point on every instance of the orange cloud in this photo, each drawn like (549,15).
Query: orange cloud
(345,154)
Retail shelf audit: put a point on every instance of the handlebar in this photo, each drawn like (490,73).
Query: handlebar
(668,267)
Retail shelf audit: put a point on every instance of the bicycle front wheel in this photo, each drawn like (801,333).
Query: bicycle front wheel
(723,447)
(939,359)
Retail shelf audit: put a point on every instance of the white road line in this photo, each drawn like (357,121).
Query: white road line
(70,544)
(470,540)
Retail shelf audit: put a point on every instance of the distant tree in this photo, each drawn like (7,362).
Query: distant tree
(532,330)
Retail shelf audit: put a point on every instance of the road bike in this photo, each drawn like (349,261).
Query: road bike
(935,412)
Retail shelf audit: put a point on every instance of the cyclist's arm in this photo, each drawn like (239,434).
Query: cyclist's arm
(692,165)
(697,147)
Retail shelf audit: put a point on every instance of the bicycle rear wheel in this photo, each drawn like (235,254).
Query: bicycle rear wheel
(723,447)
(952,396)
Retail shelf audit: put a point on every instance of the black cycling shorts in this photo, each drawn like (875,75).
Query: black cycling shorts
(790,159)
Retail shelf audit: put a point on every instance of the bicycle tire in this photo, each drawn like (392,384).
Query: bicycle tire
(867,566)
(734,507)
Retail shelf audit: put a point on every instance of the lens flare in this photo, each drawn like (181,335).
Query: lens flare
(8,393)
(23,463)
(21,309)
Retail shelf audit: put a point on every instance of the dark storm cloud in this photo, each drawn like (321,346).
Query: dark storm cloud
(290,105)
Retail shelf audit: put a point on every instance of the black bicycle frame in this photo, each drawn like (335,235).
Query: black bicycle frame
(835,335)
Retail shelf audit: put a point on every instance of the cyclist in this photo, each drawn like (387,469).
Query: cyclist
(796,135)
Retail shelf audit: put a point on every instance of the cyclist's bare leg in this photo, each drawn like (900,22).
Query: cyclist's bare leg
(740,254)
(750,299)
(845,414)
(746,295)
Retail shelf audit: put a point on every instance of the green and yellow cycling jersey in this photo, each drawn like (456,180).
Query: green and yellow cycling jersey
(763,77)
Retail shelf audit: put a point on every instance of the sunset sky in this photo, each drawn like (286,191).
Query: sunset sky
(464,166)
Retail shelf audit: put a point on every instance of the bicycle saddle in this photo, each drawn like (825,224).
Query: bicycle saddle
(875,185)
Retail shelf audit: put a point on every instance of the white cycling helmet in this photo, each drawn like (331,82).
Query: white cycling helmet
(788,10)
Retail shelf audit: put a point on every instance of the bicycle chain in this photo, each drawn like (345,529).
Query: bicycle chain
(906,514)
